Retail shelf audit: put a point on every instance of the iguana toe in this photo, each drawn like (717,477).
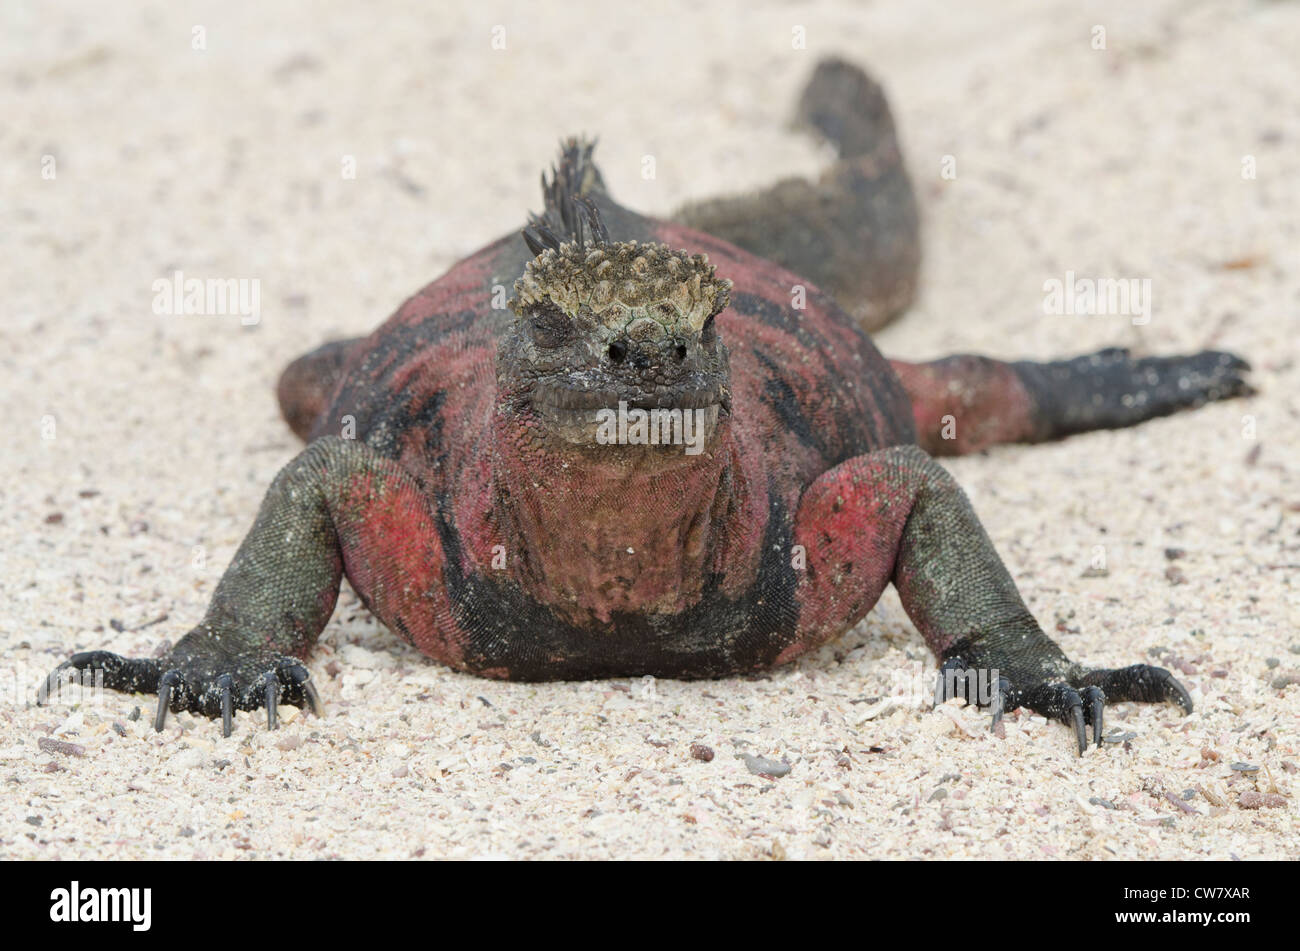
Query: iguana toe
(1059,701)
(194,683)
(127,674)
(1079,700)
(1141,683)
(264,684)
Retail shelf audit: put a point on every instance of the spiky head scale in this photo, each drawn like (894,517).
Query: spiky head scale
(621,282)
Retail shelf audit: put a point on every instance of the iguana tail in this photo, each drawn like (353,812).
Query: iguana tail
(965,403)
(307,384)
(854,231)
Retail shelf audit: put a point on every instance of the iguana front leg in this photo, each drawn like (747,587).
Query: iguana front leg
(323,514)
(897,515)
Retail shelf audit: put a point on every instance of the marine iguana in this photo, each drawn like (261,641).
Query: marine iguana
(509,489)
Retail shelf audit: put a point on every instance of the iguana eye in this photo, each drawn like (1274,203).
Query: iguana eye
(551,327)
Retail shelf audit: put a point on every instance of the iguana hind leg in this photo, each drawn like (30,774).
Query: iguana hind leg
(854,231)
(965,403)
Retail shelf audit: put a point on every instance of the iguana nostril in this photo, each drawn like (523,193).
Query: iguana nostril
(680,351)
(617,352)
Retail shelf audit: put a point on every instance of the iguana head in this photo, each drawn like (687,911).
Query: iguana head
(606,331)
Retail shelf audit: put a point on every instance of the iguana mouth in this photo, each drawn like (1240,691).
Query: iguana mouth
(674,417)
(553,397)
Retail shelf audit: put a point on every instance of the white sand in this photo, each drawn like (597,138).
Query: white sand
(226,162)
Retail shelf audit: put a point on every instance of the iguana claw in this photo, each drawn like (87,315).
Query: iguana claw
(301,678)
(1095,697)
(1080,731)
(165,685)
(1079,704)
(189,686)
(225,682)
(271,686)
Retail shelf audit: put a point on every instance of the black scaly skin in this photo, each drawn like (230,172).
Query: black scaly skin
(855,230)
(958,593)
(1111,389)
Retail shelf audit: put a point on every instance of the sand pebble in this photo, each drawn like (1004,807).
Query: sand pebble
(701,752)
(762,766)
(62,747)
(1258,800)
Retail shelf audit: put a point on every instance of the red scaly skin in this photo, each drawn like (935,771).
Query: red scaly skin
(574,514)
(393,537)
(964,404)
